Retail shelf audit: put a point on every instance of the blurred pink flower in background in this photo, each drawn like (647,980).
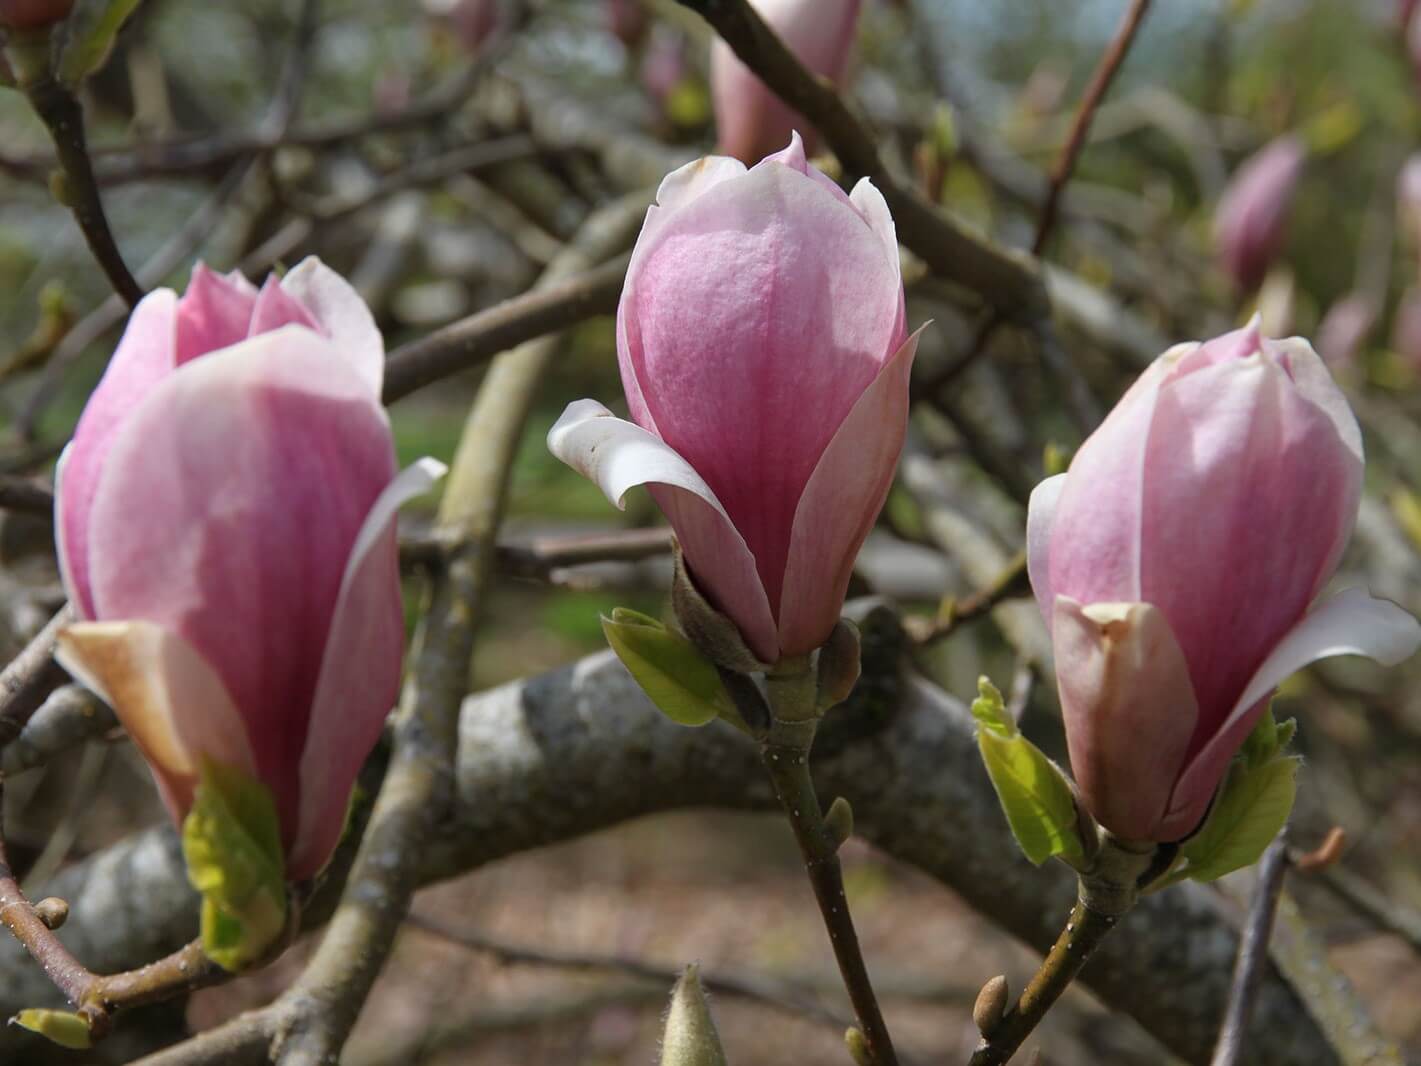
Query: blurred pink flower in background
(751,121)
(1250,222)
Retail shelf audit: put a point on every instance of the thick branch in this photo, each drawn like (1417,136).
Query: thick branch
(567,753)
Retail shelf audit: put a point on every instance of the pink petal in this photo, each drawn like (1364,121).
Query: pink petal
(752,121)
(214,312)
(1095,543)
(167,696)
(1128,708)
(617,456)
(341,314)
(275,307)
(226,513)
(841,503)
(360,674)
(750,325)
(144,357)
(1281,490)
(1349,623)
(1040,520)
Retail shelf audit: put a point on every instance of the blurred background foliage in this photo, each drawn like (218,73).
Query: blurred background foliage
(975,99)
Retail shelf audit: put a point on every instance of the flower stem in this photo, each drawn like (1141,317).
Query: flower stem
(785,754)
(1107,891)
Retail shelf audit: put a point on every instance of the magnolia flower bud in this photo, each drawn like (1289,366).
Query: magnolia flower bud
(1250,223)
(226,525)
(765,360)
(1176,563)
(32,14)
(751,120)
(1344,329)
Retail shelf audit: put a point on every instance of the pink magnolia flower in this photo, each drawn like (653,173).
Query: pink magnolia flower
(1177,561)
(765,360)
(1250,223)
(225,518)
(1408,197)
(1406,328)
(32,14)
(1345,328)
(751,120)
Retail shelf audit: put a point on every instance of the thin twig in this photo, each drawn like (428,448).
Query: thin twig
(1010,582)
(1061,173)
(474,340)
(1006,278)
(30,678)
(1095,91)
(771,993)
(60,111)
(1252,952)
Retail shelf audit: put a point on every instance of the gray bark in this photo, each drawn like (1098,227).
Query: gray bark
(579,749)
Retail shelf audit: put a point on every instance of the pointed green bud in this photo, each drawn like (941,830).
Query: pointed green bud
(838,665)
(232,844)
(690,1038)
(839,820)
(677,678)
(91,32)
(61,1027)
(857,1045)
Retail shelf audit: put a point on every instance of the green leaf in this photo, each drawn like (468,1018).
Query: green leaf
(991,711)
(91,31)
(61,1027)
(232,844)
(1248,813)
(1034,795)
(675,676)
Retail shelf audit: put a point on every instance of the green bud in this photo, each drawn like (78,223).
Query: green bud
(690,1038)
(838,665)
(61,1027)
(839,820)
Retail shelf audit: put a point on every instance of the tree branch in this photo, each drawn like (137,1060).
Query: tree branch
(566,753)
(1008,279)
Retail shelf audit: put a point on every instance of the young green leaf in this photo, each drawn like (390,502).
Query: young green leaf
(232,844)
(61,1027)
(1034,796)
(991,711)
(675,676)
(1251,808)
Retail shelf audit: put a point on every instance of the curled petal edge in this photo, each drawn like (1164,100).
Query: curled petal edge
(617,456)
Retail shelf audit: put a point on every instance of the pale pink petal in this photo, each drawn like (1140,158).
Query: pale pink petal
(1230,444)
(840,504)
(753,322)
(792,156)
(215,311)
(1095,545)
(341,315)
(275,307)
(144,357)
(617,456)
(751,121)
(1226,348)
(360,673)
(228,508)
(1128,708)
(1040,520)
(167,696)
(1349,623)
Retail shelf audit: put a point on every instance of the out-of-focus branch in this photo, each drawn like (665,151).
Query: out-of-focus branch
(25,496)
(31,676)
(477,338)
(1252,953)
(1007,279)
(69,717)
